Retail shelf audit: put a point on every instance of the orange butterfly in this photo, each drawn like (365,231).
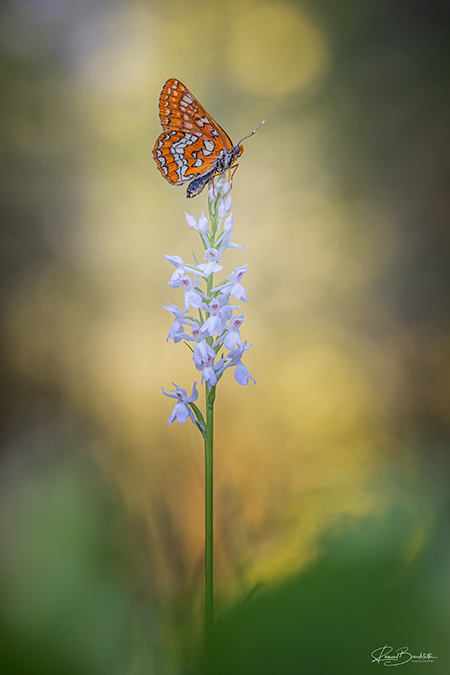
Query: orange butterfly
(192,146)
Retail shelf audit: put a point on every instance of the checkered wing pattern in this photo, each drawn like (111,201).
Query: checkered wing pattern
(191,141)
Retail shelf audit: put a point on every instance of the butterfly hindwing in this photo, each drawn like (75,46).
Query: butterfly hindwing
(180,155)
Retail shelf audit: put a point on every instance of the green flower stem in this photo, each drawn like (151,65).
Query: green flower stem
(209,501)
(210,396)
(209,530)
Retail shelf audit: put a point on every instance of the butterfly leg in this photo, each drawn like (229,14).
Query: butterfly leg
(231,171)
(219,173)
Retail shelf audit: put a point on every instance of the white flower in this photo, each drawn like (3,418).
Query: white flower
(208,371)
(219,188)
(201,227)
(212,255)
(176,331)
(213,323)
(201,348)
(226,309)
(233,286)
(224,241)
(232,336)
(180,267)
(192,297)
(182,411)
(241,373)
(224,206)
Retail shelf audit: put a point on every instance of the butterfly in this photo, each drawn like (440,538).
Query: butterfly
(192,146)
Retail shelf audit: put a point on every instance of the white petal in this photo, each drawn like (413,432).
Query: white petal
(203,223)
(191,221)
(228,224)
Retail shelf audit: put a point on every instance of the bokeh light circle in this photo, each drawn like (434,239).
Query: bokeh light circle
(275,49)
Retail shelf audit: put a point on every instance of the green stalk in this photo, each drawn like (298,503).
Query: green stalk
(210,396)
(209,502)
(209,529)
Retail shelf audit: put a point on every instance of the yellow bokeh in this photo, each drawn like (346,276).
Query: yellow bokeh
(275,49)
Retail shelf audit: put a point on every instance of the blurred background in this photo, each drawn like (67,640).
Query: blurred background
(331,475)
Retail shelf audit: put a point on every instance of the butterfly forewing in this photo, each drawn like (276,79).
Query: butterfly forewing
(179,109)
(191,141)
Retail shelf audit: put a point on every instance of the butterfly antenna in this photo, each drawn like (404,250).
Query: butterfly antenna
(253,132)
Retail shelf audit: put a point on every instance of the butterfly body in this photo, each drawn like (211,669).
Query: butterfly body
(192,146)
(224,162)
